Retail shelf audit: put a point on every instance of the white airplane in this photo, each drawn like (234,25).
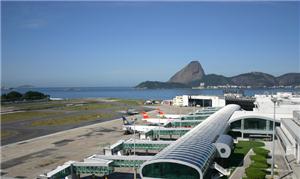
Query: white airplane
(169,116)
(192,115)
(161,120)
(129,127)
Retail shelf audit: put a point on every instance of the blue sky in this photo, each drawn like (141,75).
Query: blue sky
(124,43)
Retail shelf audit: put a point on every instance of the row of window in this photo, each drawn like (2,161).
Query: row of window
(253,124)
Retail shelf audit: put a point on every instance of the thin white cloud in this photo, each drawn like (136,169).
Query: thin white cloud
(34,24)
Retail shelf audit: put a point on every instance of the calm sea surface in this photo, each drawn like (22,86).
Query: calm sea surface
(132,93)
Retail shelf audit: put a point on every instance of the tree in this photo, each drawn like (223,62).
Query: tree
(11,96)
(34,95)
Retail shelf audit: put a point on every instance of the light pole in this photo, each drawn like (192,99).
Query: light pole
(274,100)
(133,137)
(134,168)
(194,109)
(180,121)
(159,128)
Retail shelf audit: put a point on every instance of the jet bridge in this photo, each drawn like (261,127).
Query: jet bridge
(128,146)
(164,131)
(97,165)
(120,161)
(145,144)
(183,123)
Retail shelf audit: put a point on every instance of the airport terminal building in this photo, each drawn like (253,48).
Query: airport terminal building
(289,135)
(260,121)
(259,124)
(195,154)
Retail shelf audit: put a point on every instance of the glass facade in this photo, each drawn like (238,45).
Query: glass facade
(236,124)
(271,125)
(255,123)
(200,102)
(170,170)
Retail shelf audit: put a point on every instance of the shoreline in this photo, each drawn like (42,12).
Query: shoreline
(128,93)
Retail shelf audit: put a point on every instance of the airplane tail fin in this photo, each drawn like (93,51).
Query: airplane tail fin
(160,112)
(125,121)
(145,115)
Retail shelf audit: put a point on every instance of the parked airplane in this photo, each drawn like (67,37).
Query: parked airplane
(193,115)
(132,112)
(129,127)
(169,116)
(161,120)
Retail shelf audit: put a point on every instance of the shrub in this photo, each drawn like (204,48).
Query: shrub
(257,169)
(260,165)
(255,173)
(258,158)
(261,151)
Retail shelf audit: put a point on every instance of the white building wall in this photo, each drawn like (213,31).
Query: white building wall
(219,103)
(292,149)
(178,101)
(286,105)
(288,134)
(185,99)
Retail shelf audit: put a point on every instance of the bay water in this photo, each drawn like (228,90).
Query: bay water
(133,93)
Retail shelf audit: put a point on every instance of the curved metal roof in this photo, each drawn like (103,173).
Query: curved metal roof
(225,139)
(195,148)
(239,115)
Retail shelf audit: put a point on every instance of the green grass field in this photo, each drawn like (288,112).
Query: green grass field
(40,110)
(130,102)
(26,115)
(90,106)
(7,133)
(36,105)
(70,120)
(245,146)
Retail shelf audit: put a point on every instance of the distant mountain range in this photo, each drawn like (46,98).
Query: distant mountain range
(193,74)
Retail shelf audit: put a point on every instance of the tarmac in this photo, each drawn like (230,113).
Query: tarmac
(30,158)
(23,130)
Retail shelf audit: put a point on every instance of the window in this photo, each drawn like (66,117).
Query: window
(255,124)
(222,150)
(236,125)
(170,170)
